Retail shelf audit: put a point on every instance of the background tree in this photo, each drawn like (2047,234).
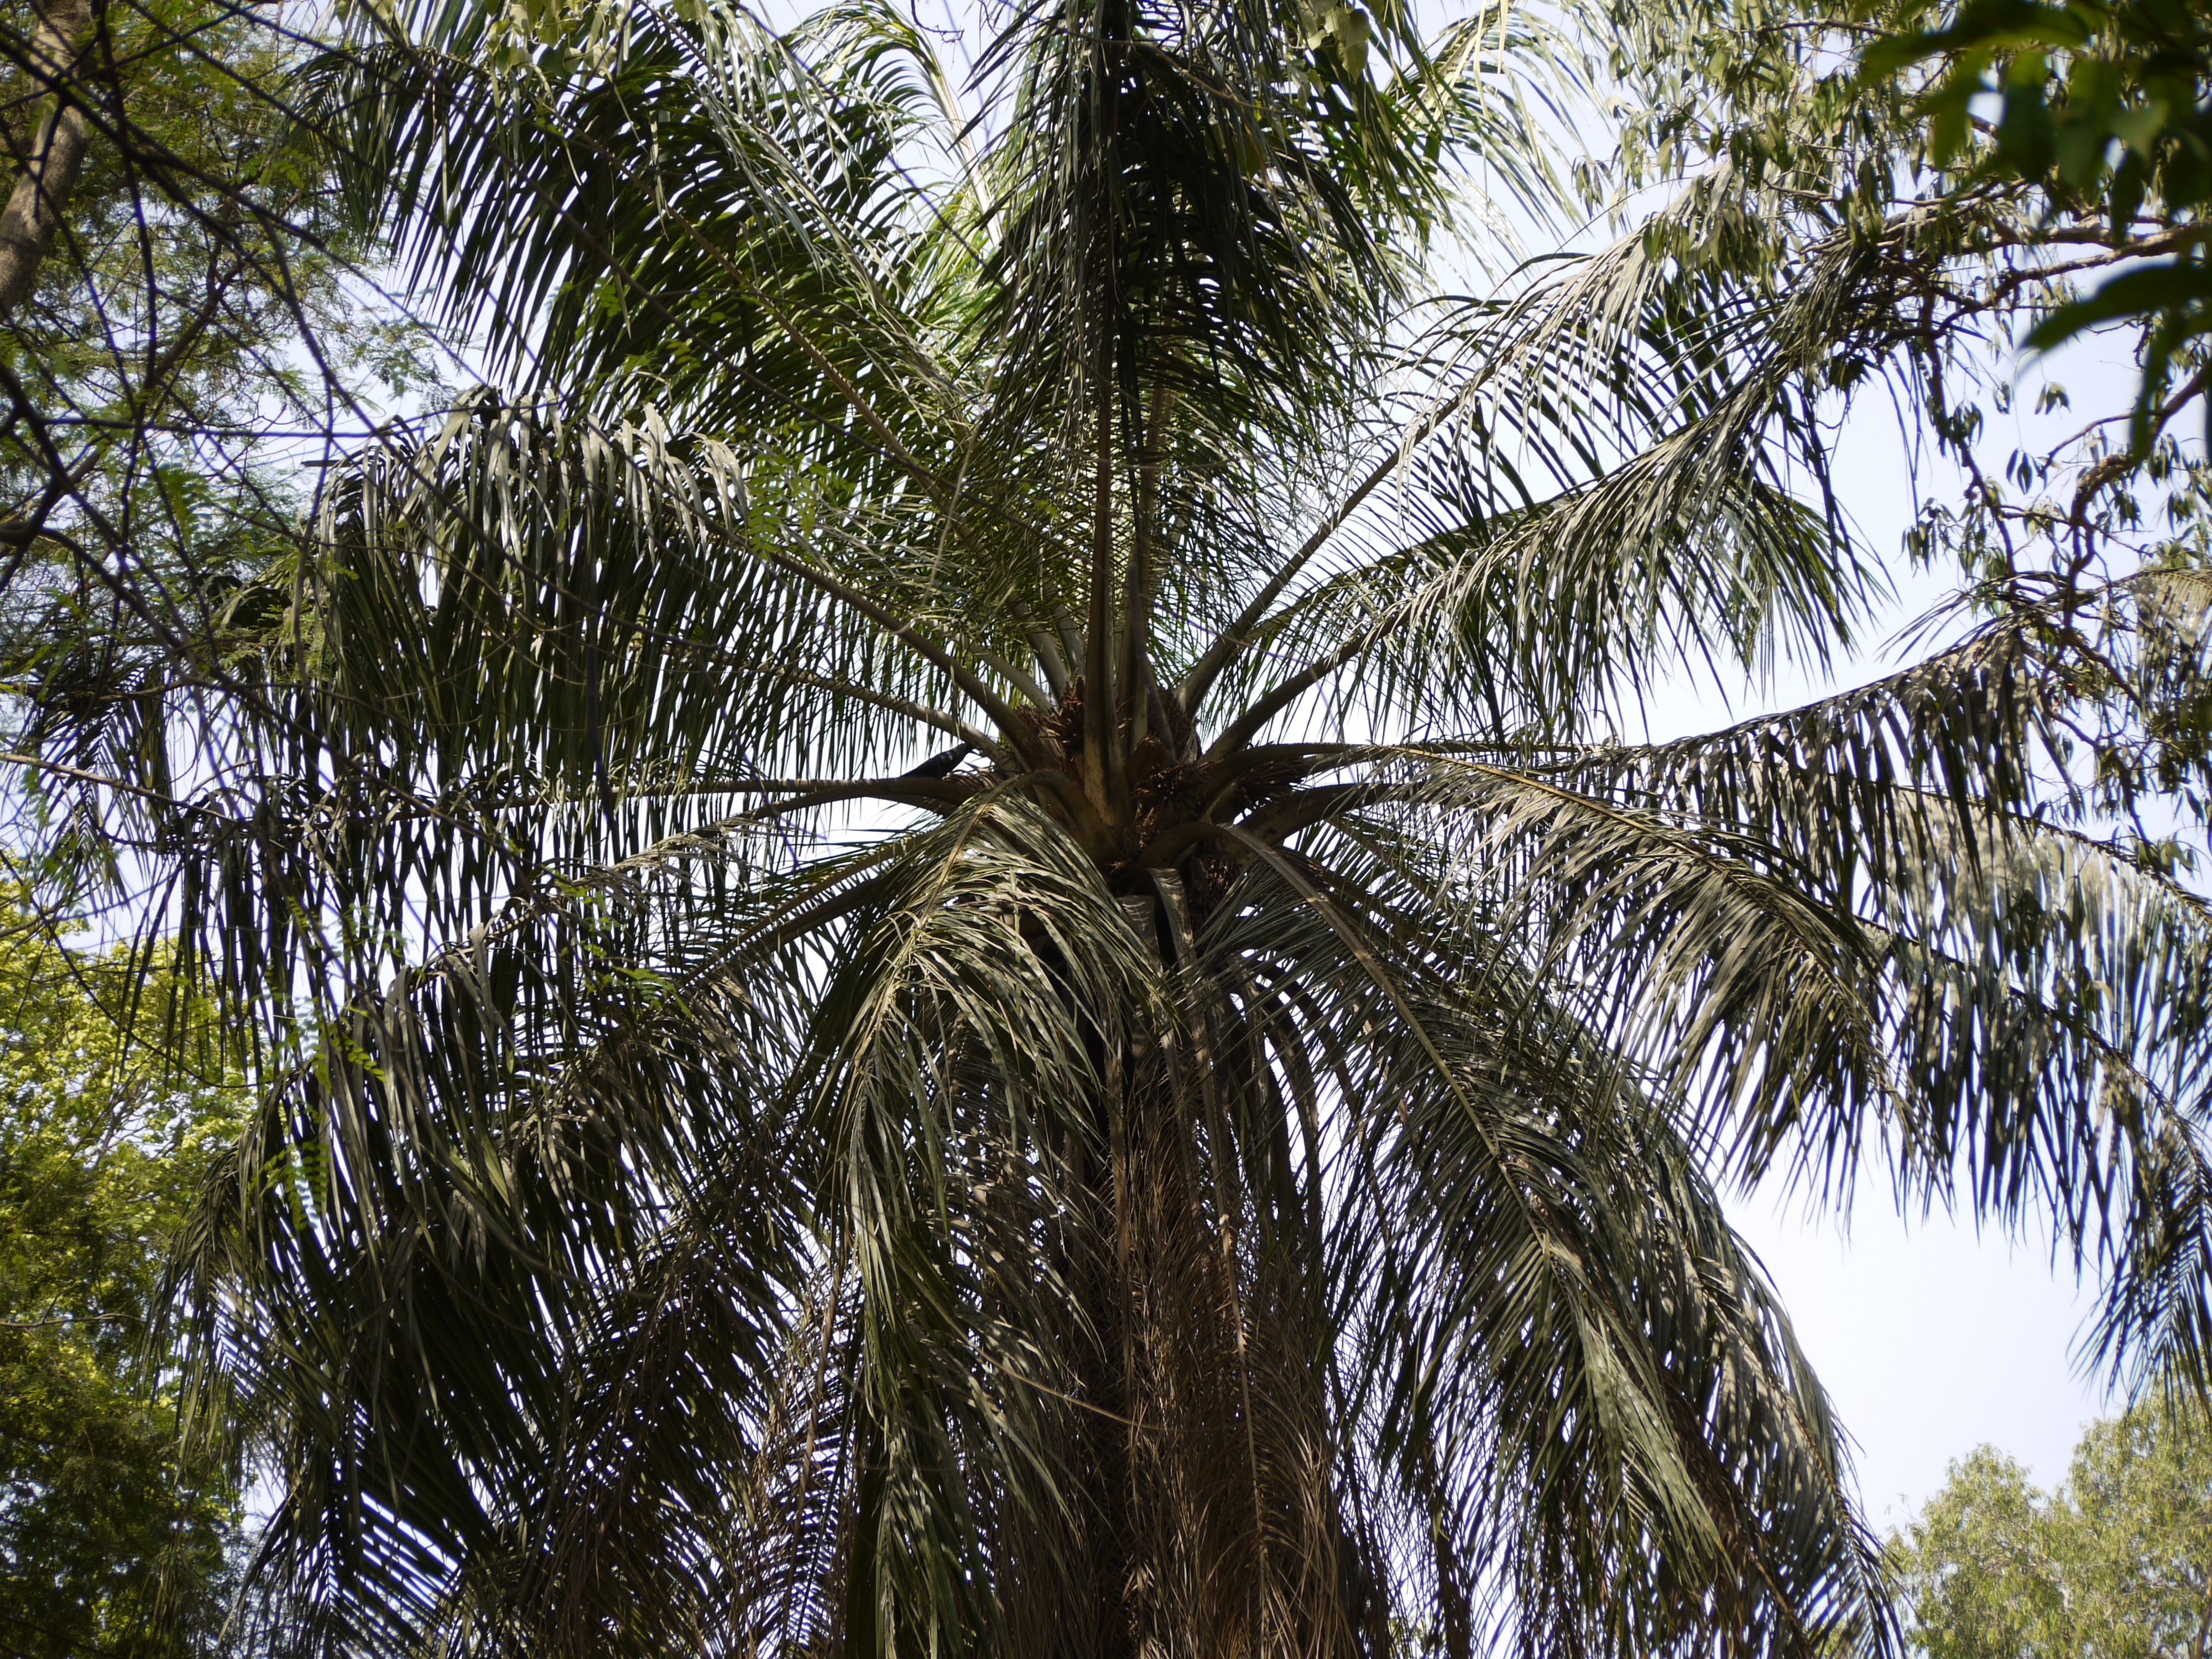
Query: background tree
(193,331)
(173,321)
(2103,126)
(2116,1561)
(112,1540)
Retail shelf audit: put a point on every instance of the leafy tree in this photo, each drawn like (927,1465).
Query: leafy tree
(2116,1563)
(1217,1156)
(2104,123)
(181,317)
(188,249)
(112,1541)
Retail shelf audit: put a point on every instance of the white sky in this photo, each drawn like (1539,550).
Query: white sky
(1930,1340)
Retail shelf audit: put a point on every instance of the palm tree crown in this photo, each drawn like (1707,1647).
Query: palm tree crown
(1063,1026)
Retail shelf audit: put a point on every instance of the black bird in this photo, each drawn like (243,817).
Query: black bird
(940,766)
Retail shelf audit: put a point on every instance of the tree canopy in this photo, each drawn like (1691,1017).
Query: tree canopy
(2116,1562)
(2103,118)
(953,930)
(113,1540)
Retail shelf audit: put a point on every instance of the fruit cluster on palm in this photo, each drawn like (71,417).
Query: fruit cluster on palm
(1220,1161)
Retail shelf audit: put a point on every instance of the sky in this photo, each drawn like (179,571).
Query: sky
(1931,1339)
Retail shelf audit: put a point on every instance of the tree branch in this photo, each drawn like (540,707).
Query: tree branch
(1137,610)
(1242,728)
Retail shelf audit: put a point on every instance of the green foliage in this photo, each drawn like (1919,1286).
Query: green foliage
(2105,113)
(2117,1562)
(200,251)
(200,321)
(112,1540)
(1899,256)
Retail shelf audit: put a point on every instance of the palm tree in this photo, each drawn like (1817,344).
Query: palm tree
(1063,1027)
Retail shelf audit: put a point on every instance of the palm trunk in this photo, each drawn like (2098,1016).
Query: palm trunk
(1109,1424)
(1213,1524)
